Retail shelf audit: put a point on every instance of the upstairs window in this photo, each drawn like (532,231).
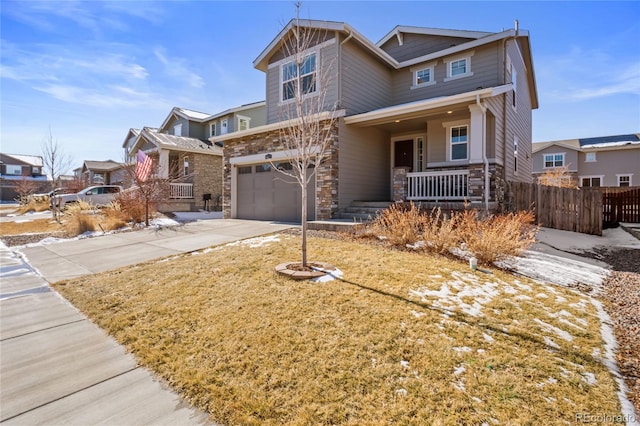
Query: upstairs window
(553,160)
(224,126)
(177,130)
(14,170)
(459,67)
(423,76)
(459,142)
(590,157)
(243,123)
(212,128)
(289,77)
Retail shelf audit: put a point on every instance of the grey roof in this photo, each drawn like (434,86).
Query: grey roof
(609,139)
(32,160)
(101,166)
(182,143)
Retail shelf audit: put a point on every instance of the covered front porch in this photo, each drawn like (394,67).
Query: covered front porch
(442,150)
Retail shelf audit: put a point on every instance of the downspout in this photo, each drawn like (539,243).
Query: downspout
(504,99)
(487,193)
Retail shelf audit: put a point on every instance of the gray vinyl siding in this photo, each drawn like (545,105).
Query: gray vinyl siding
(416,45)
(257,115)
(519,121)
(197,130)
(495,136)
(365,81)
(327,62)
(484,66)
(436,142)
(364,165)
(570,158)
(612,163)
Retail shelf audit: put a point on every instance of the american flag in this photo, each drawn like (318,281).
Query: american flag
(143,166)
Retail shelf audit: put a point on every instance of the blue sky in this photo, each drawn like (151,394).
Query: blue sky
(91,70)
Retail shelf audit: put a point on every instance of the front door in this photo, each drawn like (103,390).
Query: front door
(403,154)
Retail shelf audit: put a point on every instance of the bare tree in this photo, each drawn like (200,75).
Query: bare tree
(56,161)
(307,136)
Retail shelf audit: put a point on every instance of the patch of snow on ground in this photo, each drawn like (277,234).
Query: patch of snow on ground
(559,332)
(330,276)
(404,363)
(561,271)
(589,378)
(163,222)
(417,314)
(459,370)
(487,338)
(550,343)
(462,349)
(200,215)
(256,242)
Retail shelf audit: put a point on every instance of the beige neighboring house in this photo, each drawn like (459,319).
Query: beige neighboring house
(183,153)
(426,114)
(592,162)
(101,173)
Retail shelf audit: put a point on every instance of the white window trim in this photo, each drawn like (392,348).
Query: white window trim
(450,61)
(515,154)
(224,126)
(564,159)
(586,157)
(414,70)
(629,175)
(601,177)
(14,168)
(448,125)
(242,117)
(316,50)
(212,128)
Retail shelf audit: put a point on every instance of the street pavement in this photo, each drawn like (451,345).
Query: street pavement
(56,366)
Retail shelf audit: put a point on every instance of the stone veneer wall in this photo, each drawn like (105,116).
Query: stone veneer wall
(263,143)
(207,179)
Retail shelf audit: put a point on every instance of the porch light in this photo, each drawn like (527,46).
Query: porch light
(268,157)
(397,121)
(449,112)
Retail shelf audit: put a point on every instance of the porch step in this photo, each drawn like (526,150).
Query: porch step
(364,211)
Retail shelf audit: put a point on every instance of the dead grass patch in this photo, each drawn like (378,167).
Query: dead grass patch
(33,206)
(28,226)
(406,338)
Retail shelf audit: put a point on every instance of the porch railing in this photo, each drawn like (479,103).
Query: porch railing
(440,185)
(180,190)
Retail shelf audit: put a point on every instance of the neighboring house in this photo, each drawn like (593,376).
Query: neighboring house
(17,169)
(102,173)
(183,153)
(602,161)
(428,115)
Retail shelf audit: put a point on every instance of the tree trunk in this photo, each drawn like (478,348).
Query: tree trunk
(146,211)
(304,217)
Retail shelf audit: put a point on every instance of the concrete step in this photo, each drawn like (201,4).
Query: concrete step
(371,204)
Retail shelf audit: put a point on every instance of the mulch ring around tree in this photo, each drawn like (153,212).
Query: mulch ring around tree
(297,271)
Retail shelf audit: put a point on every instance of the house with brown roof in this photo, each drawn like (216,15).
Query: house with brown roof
(426,115)
(592,162)
(19,168)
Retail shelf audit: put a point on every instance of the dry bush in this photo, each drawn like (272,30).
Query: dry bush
(496,237)
(440,232)
(34,206)
(559,177)
(79,218)
(400,224)
(129,206)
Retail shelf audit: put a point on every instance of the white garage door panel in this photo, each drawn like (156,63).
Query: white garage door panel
(271,195)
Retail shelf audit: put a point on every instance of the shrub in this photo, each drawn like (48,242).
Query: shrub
(79,218)
(34,206)
(129,206)
(400,224)
(440,233)
(496,237)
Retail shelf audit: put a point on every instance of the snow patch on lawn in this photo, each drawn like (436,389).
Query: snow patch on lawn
(256,242)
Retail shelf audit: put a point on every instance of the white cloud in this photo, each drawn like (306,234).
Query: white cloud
(177,68)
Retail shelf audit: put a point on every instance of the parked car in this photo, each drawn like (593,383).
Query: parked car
(95,195)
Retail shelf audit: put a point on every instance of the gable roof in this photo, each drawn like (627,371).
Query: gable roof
(131,133)
(32,160)
(591,144)
(179,143)
(187,114)
(237,109)
(402,29)
(101,166)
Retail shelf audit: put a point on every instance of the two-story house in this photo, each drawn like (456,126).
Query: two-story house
(183,153)
(429,115)
(600,161)
(17,169)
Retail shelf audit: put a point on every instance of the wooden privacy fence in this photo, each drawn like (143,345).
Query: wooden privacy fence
(621,205)
(577,210)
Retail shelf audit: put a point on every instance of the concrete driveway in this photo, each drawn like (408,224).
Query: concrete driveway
(56,367)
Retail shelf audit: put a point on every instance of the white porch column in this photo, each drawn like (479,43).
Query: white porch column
(475,135)
(163,164)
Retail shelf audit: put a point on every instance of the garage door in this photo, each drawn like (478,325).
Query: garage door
(266,194)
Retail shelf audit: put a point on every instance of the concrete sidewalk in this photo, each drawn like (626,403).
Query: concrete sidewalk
(56,367)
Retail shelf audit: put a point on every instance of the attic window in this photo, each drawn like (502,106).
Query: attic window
(177,130)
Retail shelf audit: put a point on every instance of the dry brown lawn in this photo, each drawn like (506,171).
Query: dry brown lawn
(404,338)
(28,226)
